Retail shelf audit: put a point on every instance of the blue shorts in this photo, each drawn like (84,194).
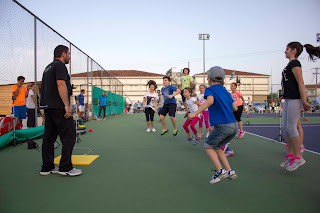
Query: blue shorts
(221,135)
(20,112)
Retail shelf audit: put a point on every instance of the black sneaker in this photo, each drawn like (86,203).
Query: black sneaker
(175,132)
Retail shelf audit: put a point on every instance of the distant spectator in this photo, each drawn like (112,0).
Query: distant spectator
(249,105)
(102,103)
(30,103)
(139,106)
(265,104)
(80,103)
(19,92)
(272,106)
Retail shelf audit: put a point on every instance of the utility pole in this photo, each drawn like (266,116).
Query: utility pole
(204,37)
(316,73)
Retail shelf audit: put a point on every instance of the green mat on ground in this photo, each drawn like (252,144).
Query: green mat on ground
(21,135)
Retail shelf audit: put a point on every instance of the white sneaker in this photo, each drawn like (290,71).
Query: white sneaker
(72,172)
(219,176)
(148,130)
(53,171)
(295,164)
(232,174)
(285,163)
(154,130)
(207,134)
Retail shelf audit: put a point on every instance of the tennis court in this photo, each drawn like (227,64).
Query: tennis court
(146,172)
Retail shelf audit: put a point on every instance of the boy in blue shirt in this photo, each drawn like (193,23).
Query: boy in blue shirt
(80,103)
(170,105)
(221,107)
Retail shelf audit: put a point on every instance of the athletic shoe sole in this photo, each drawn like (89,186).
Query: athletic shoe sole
(69,174)
(288,168)
(165,132)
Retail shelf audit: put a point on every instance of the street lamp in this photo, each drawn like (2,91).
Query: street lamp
(204,37)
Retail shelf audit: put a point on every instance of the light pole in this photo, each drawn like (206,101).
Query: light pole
(204,37)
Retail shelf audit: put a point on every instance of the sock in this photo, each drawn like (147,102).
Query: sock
(290,155)
(297,158)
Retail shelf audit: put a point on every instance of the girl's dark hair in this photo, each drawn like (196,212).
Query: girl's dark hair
(235,84)
(313,52)
(167,77)
(188,89)
(186,69)
(152,82)
(202,85)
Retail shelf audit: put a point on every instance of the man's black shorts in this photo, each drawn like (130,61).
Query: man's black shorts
(171,108)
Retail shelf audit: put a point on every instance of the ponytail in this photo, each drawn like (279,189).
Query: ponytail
(314,52)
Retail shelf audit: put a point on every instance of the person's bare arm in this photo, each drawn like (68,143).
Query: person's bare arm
(156,106)
(177,92)
(63,92)
(234,106)
(144,102)
(204,106)
(16,92)
(297,71)
(197,102)
(98,102)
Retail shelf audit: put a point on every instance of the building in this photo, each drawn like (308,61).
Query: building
(311,92)
(134,82)
(253,85)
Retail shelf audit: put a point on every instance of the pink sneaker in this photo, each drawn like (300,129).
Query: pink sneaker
(302,150)
(238,132)
(241,134)
(224,148)
(229,153)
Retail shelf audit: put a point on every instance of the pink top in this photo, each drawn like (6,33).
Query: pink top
(236,97)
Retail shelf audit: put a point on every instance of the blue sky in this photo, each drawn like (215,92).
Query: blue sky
(157,35)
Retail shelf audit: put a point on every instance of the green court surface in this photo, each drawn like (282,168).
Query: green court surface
(145,172)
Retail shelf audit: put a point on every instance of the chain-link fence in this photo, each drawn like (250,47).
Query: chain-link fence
(27,45)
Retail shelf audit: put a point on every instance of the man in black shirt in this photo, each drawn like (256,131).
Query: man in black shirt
(55,100)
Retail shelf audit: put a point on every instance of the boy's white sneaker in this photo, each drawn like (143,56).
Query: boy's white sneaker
(219,176)
(154,130)
(148,130)
(208,134)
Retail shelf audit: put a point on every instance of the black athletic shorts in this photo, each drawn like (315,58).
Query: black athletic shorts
(171,108)
(238,113)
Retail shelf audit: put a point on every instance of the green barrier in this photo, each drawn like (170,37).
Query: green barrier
(22,135)
(115,103)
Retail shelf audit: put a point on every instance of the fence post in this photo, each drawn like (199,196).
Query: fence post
(35,73)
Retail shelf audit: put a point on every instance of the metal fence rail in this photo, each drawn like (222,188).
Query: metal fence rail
(27,45)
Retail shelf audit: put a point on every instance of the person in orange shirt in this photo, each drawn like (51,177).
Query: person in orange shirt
(19,94)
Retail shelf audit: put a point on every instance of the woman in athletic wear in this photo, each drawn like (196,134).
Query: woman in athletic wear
(193,105)
(150,100)
(294,93)
(205,113)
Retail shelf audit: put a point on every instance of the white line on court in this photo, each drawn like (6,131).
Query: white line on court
(306,125)
(280,142)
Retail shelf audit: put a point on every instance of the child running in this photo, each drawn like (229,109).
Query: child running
(221,105)
(150,100)
(238,98)
(193,105)
(294,93)
(170,105)
(205,113)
